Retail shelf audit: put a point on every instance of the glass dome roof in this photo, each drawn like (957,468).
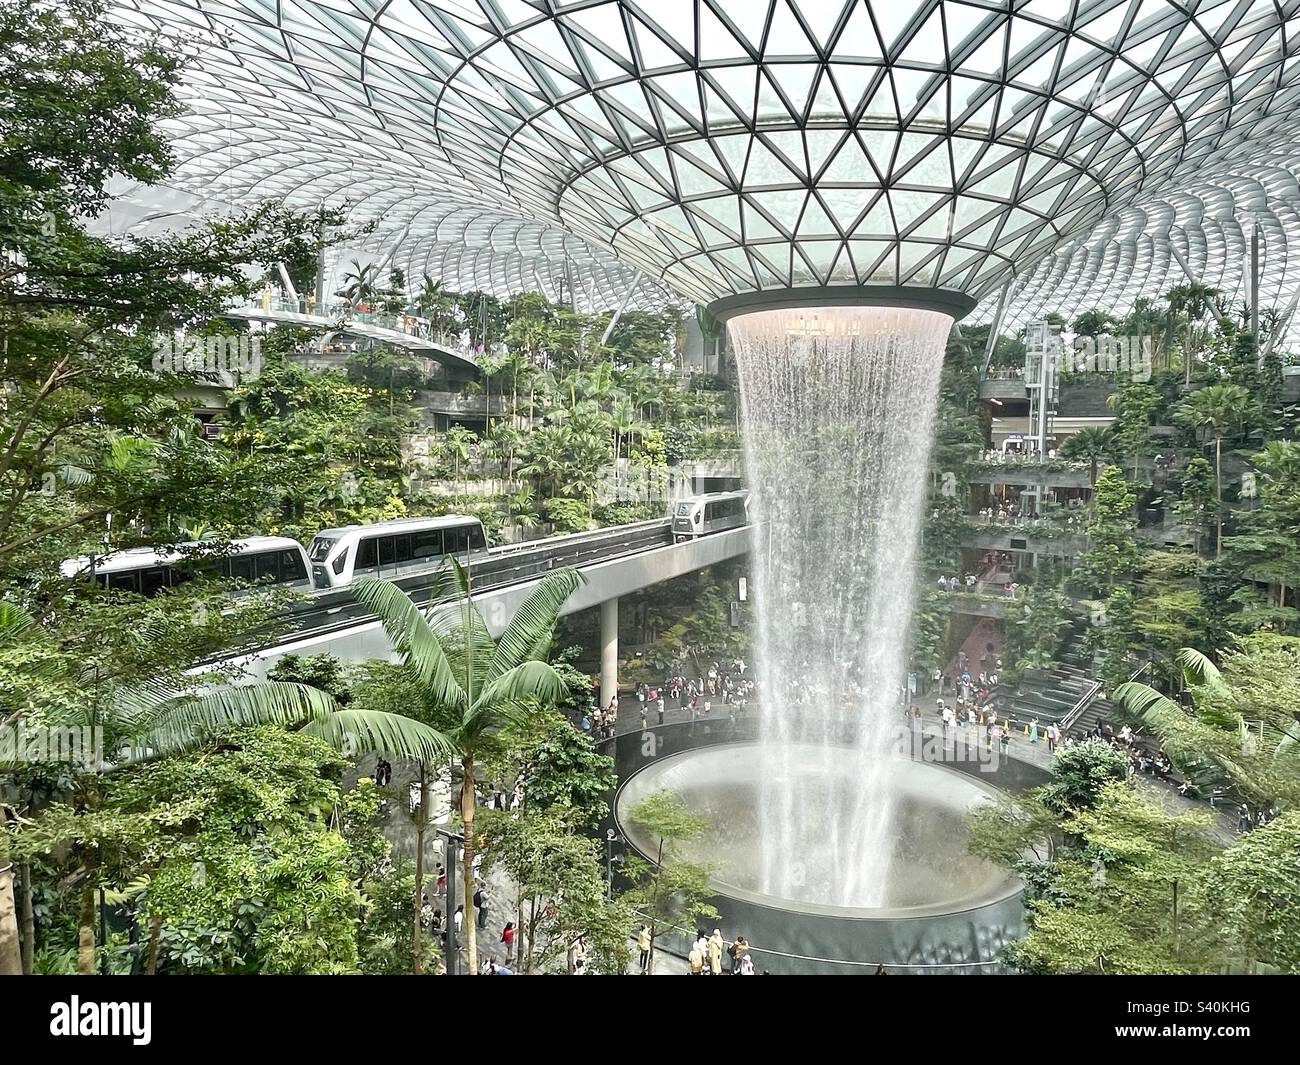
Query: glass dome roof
(717,147)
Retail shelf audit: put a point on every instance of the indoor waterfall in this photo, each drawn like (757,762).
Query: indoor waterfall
(838,409)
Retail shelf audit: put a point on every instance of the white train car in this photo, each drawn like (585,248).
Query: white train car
(709,513)
(272,560)
(391,548)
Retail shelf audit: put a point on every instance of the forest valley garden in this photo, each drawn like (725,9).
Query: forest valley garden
(241,833)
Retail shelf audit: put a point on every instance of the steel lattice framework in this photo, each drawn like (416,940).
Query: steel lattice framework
(725,146)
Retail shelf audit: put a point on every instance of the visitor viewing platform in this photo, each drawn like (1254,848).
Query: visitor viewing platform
(1039,536)
(1032,470)
(1003,388)
(400,330)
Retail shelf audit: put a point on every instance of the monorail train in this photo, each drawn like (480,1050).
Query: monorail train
(147,571)
(709,513)
(391,548)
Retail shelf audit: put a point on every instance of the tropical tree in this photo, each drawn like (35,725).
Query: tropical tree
(360,284)
(1218,408)
(668,889)
(471,685)
(156,719)
(434,302)
(1196,498)
(1093,444)
(1112,553)
(1240,719)
(1094,323)
(458,440)
(1194,300)
(1268,548)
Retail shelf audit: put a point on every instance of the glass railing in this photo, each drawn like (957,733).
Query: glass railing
(340,311)
(1050,527)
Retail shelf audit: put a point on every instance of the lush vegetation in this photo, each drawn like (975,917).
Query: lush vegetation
(206,822)
(1124,876)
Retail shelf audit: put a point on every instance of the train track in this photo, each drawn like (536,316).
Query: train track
(333,611)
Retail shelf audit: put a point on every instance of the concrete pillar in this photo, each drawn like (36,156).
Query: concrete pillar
(608,651)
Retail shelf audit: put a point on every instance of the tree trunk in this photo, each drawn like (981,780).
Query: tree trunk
(532,930)
(155,941)
(467,801)
(654,908)
(86,918)
(421,824)
(1218,494)
(26,917)
(518,946)
(11,955)
(1175,915)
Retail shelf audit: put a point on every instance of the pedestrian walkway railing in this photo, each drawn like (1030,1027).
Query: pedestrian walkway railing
(996,964)
(1076,711)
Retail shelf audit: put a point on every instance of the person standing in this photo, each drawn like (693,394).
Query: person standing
(662,706)
(643,945)
(739,954)
(716,947)
(481,900)
(508,938)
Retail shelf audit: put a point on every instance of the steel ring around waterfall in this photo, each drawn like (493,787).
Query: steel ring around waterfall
(944,301)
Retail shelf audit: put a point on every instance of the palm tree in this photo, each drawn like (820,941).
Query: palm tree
(458,440)
(622,419)
(1195,300)
(360,284)
(1147,320)
(471,684)
(1220,711)
(1093,443)
(1217,407)
(441,308)
(154,720)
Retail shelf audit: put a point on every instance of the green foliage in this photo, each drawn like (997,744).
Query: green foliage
(1118,638)
(565,771)
(930,631)
(1123,893)
(1196,505)
(1135,407)
(1091,445)
(1080,772)
(668,890)
(322,671)
(560,875)
(384,941)
(245,874)
(1257,889)
(1036,627)
(1241,720)
(1112,555)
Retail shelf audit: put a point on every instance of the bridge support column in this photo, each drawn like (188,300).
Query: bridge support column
(608,651)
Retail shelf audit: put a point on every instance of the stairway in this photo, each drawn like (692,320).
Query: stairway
(1048,695)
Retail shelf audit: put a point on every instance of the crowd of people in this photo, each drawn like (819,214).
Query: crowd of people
(706,954)
(718,686)
(970,584)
